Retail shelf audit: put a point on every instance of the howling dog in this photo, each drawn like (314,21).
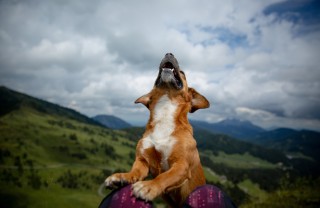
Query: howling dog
(167,149)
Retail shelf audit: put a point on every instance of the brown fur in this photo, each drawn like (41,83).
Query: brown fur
(185,172)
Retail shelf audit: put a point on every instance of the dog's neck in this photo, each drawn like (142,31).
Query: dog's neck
(164,111)
(168,111)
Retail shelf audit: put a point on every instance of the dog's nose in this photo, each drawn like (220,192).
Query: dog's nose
(169,54)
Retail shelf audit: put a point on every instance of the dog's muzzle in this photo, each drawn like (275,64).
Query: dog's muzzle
(169,73)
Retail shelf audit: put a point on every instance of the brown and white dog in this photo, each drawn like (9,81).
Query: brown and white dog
(167,149)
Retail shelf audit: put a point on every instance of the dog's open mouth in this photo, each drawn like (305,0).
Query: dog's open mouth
(169,73)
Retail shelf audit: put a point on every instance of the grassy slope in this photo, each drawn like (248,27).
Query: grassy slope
(244,161)
(48,147)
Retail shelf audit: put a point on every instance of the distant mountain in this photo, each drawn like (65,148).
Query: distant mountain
(112,122)
(231,127)
(229,145)
(289,140)
(11,100)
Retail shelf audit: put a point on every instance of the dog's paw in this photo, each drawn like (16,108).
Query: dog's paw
(119,179)
(146,190)
(114,181)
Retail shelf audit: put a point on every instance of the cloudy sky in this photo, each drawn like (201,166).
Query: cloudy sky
(254,60)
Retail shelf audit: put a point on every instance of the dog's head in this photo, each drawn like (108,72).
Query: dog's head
(171,80)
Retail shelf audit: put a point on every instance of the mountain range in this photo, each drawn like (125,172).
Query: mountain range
(52,152)
(287,140)
(232,127)
(291,141)
(284,139)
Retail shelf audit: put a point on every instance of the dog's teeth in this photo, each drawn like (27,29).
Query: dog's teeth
(172,70)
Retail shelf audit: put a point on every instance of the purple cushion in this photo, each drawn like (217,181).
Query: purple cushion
(202,197)
(123,198)
(208,196)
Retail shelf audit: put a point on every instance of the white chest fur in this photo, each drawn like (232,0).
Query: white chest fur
(161,138)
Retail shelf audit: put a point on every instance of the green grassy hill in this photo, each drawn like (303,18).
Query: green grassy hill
(57,158)
(12,100)
(52,156)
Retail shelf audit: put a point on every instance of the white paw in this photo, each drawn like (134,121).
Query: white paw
(114,181)
(145,190)
(109,181)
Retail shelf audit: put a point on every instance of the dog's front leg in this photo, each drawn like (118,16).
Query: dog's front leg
(138,172)
(173,178)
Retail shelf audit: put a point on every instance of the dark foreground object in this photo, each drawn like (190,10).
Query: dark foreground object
(204,196)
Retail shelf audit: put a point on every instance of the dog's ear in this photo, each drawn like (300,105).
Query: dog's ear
(144,99)
(198,101)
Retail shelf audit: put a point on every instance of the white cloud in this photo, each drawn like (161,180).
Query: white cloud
(100,56)
(269,120)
